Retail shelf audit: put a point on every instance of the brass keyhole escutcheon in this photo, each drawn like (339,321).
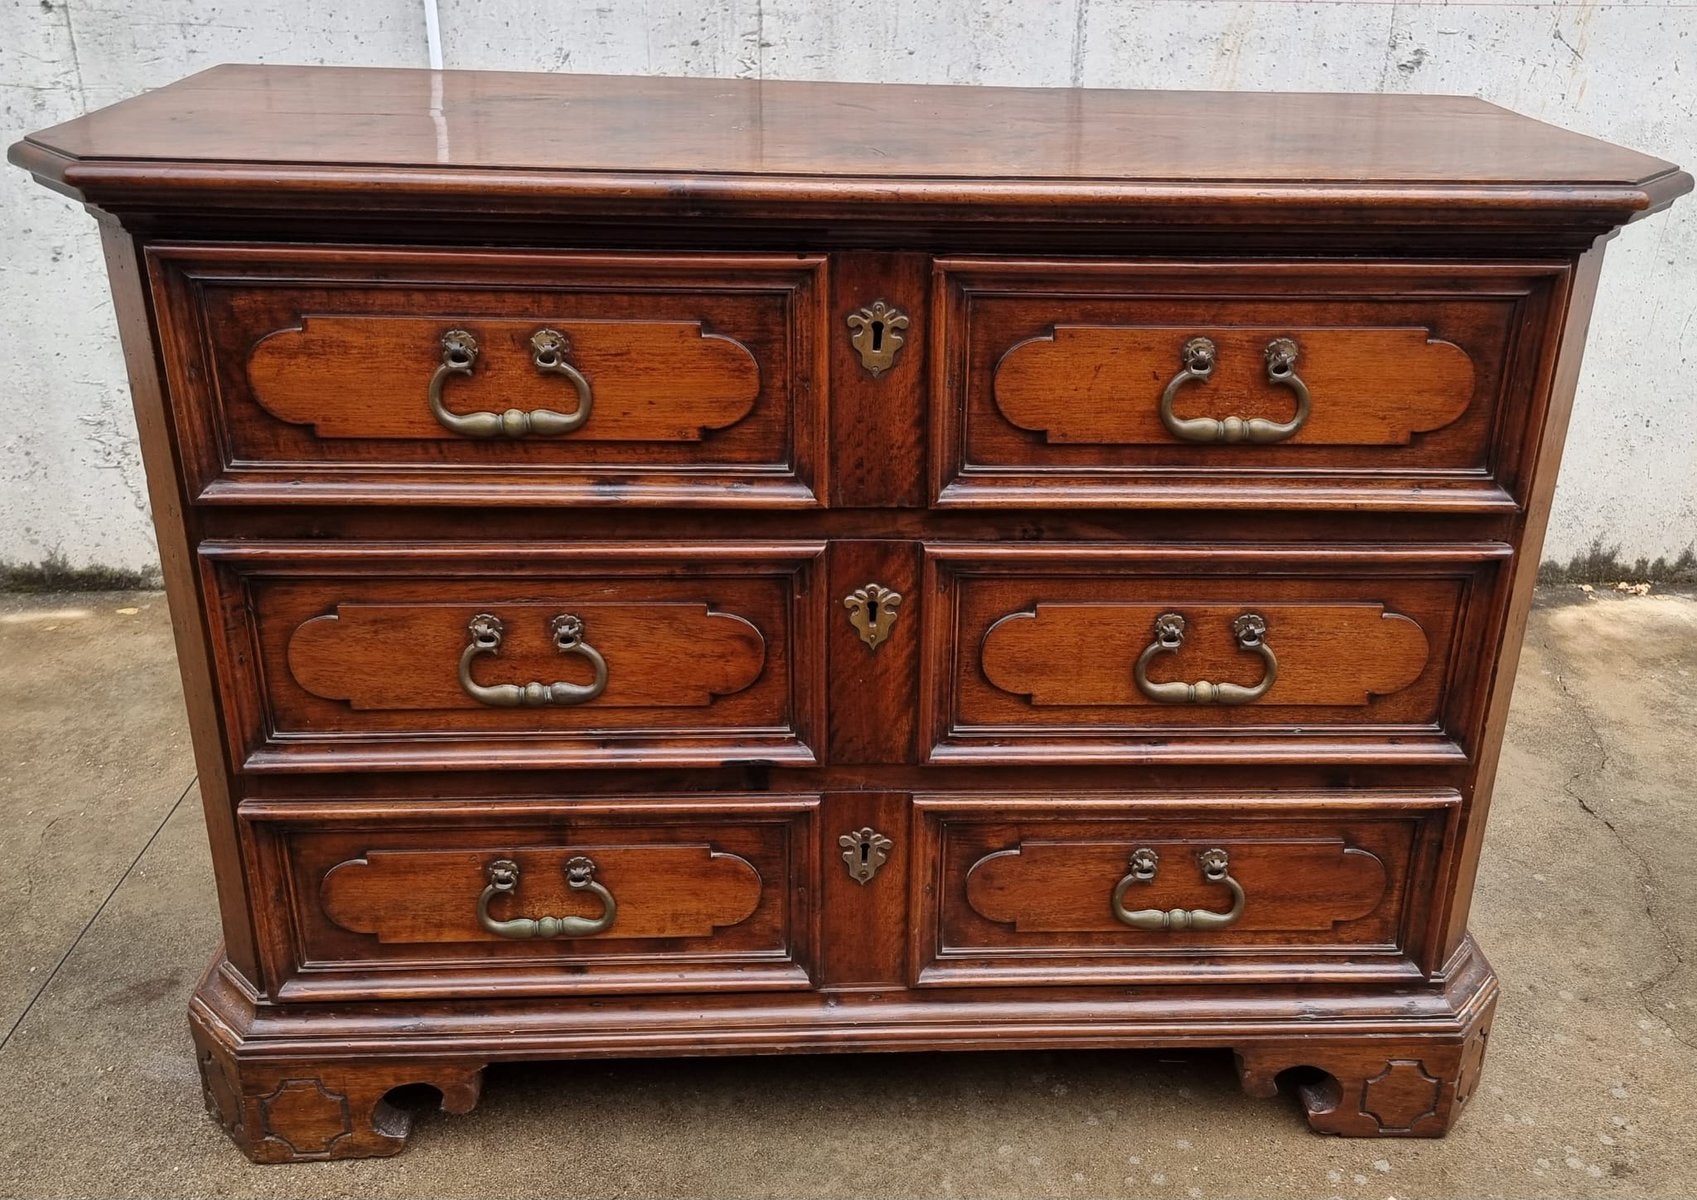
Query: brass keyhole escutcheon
(864,851)
(873,610)
(875,333)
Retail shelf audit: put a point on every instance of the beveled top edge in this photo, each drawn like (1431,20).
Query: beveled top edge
(409,118)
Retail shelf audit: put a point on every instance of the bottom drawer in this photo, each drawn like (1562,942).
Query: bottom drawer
(1154,889)
(533,898)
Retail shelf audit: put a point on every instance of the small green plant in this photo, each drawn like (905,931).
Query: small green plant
(55,574)
(1600,564)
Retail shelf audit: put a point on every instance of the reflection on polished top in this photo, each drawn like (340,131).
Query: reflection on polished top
(859,135)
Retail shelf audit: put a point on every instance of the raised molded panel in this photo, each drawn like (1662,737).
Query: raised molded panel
(1100,384)
(659,655)
(1042,885)
(360,377)
(1036,654)
(662,891)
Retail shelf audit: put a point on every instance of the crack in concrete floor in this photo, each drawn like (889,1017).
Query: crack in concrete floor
(1594,777)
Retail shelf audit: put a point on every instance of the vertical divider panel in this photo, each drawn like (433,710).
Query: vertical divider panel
(873,690)
(864,939)
(877,421)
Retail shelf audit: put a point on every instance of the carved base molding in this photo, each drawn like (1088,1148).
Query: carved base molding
(309,1111)
(1380,1087)
(296,1083)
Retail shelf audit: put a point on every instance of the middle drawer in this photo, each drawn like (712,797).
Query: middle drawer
(381,656)
(1183,653)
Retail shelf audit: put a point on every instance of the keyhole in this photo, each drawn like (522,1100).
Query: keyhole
(872,612)
(865,853)
(877,336)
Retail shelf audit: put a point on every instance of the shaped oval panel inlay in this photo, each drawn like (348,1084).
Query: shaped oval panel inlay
(399,657)
(1292,886)
(1102,384)
(366,377)
(663,891)
(1338,654)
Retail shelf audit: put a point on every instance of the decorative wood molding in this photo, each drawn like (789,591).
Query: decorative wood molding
(305,1116)
(1401,1096)
(221,1091)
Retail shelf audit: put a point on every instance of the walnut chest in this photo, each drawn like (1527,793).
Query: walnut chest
(683,566)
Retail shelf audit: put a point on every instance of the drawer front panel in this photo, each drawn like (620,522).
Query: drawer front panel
(374,656)
(538,898)
(1208,654)
(377,376)
(1238,385)
(1104,889)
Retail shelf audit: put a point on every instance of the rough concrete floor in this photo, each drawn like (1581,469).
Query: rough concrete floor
(1587,906)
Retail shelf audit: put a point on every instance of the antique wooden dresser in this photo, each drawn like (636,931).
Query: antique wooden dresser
(694,567)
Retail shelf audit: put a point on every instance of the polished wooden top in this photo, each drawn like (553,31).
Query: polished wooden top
(428,128)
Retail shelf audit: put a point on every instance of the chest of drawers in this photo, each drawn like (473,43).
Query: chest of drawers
(675,567)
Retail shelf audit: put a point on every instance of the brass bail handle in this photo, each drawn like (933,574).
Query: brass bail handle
(1250,629)
(503,876)
(1215,864)
(1198,357)
(485,634)
(549,348)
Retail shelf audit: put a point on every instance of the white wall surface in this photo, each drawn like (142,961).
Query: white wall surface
(1625,70)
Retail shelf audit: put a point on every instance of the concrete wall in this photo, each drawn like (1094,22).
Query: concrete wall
(1626,70)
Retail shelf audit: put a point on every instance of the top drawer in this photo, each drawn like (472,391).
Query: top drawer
(376,376)
(1234,385)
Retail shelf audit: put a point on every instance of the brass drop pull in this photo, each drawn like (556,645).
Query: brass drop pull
(1251,632)
(486,633)
(1198,359)
(549,348)
(1144,863)
(503,876)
